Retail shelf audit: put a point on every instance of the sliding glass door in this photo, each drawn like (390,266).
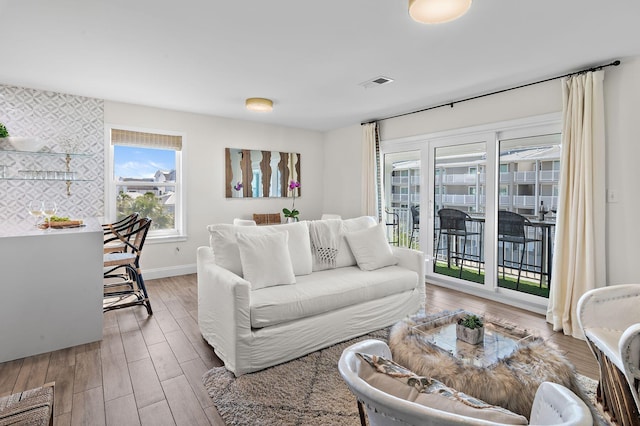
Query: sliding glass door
(480,203)
(528,186)
(402,185)
(459,206)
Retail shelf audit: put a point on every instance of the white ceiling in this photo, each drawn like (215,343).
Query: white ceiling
(207,56)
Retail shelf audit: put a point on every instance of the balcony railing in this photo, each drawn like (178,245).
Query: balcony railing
(526,177)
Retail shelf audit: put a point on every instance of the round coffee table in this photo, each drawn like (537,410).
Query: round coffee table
(505,370)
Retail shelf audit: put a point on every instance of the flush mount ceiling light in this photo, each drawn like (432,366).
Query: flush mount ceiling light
(259,104)
(437,11)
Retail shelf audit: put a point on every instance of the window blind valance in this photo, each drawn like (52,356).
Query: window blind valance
(150,140)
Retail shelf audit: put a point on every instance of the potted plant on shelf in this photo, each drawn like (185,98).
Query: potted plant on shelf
(470,329)
(3,131)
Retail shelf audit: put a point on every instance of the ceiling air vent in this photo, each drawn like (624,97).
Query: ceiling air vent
(375,82)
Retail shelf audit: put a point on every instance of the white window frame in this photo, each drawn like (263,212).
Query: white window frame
(179,232)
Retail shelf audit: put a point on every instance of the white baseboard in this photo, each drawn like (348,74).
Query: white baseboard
(171,271)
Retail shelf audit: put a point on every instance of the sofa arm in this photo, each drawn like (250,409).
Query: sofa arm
(614,307)
(413,260)
(223,307)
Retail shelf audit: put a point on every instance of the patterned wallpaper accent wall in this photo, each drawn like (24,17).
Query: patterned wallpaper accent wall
(65,123)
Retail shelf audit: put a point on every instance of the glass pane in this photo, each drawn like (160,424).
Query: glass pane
(145,183)
(528,181)
(459,206)
(402,198)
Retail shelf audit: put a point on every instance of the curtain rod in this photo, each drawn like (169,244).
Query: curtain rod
(612,64)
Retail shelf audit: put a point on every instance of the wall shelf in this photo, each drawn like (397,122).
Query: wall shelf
(40,175)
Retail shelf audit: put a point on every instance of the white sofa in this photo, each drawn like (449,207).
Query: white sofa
(253,328)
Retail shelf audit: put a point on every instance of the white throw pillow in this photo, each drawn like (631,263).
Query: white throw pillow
(222,239)
(265,259)
(299,242)
(370,248)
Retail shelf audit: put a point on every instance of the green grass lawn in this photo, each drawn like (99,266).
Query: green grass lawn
(526,285)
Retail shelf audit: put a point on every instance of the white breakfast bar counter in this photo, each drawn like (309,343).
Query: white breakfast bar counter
(50,287)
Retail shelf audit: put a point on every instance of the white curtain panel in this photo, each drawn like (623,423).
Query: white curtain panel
(369,186)
(579,255)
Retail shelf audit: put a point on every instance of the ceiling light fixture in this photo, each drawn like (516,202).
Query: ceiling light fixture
(437,11)
(259,104)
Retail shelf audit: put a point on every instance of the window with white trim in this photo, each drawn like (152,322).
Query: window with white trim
(145,176)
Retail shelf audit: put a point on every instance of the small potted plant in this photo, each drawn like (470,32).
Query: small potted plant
(470,329)
(4,133)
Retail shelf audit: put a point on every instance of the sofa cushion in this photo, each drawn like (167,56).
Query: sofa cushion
(371,248)
(325,291)
(265,259)
(345,256)
(396,380)
(223,241)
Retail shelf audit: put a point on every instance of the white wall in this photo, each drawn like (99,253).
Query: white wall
(622,104)
(622,109)
(342,174)
(203,168)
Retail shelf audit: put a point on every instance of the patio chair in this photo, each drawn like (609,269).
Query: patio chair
(512,230)
(392,220)
(415,222)
(123,282)
(453,225)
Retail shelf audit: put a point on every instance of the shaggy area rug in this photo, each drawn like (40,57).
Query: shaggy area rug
(305,391)
(510,383)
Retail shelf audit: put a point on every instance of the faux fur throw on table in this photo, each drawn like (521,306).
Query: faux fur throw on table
(325,238)
(510,383)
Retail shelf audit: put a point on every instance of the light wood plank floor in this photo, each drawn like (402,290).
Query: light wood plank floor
(147,369)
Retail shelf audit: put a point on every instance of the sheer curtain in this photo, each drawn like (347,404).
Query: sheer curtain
(370,170)
(579,258)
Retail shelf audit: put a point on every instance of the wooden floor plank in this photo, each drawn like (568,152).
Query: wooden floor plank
(176,308)
(151,331)
(164,361)
(157,414)
(183,402)
(88,374)
(9,372)
(111,342)
(192,332)
(146,386)
(64,376)
(88,408)
(181,346)
(122,412)
(127,320)
(166,321)
(115,377)
(33,372)
(193,372)
(134,346)
(62,420)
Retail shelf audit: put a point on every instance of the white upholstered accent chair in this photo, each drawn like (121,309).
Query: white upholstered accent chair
(610,320)
(553,404)
(244,222)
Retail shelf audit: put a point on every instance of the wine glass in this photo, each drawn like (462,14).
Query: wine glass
(49,208)
(36,209)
